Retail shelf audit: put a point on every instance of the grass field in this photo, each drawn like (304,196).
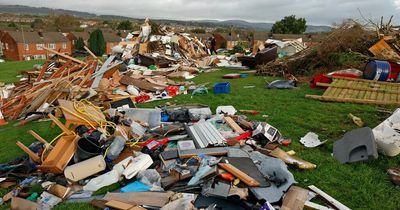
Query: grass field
(10,69)
(359,185)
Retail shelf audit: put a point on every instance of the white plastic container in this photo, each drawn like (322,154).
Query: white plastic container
(85,168)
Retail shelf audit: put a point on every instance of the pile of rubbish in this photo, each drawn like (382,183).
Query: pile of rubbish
(173,157)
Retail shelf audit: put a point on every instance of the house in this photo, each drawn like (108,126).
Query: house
(73,36)
(258,40)
(21,45)
(308,39)
(111,39)
(232,39)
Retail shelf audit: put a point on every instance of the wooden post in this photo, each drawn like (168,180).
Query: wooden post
(64,56)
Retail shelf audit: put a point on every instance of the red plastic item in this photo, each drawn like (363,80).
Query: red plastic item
(394,71)
(142,99)
(172,90)
(286,142)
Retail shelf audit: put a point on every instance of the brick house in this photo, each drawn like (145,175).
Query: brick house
(73,36)
(111,39)
(18,45)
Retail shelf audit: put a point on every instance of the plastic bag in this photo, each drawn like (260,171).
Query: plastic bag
(151,178)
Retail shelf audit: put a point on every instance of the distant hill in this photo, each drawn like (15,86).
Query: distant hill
(19,9)
(262,26)
(258,26)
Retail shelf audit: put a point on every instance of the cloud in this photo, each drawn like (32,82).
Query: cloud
(315,11)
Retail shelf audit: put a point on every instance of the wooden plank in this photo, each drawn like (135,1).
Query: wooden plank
(235,127)
(64,56)
(295,199)
(119,205)
(92,54)
(239,174)
(360,101)
(328,198)
(313,206)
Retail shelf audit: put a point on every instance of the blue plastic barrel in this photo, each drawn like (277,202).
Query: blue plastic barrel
(377,70)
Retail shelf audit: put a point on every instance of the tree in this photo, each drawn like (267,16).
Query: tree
(96,42)
(289,25)
(198,30)
(125,25)
(79,44)
(12,25)
(66,22)
(38,23)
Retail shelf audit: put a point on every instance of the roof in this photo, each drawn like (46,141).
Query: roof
(25,37)
(231,37)
(84,35)
(54,37)
(263,36)
(111,37)
(34,37)
(305,37)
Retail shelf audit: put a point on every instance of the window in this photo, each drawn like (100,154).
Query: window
(64,45)
(27,47)
(39,46)
(39,57)
(52,46)
(6,46)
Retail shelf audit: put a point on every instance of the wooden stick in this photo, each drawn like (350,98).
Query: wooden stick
(313,206)
(328,198)
(62,126)
(36,136)
(31,154)
(64,56)
(239,174)
(92,54)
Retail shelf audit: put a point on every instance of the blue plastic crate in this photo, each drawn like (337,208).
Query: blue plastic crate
(223,87)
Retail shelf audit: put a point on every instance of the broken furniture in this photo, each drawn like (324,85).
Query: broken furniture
(60,154)
(73,117)
(356,145)
(360,91)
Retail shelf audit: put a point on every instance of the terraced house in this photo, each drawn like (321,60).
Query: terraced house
(21,45)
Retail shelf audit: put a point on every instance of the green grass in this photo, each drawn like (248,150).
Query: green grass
(10,69)
(358,185)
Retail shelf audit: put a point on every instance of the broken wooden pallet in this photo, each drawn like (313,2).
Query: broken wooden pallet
(360,91)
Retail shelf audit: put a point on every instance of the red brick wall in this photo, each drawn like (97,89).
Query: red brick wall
(12,52)
(109,46)
(18,51)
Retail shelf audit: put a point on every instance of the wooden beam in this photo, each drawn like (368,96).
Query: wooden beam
(92,54)
(328,198)
(235,127)
(65,56)
(31,154)
(239,174)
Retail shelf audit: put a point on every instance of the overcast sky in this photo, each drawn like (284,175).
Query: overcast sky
(323,12)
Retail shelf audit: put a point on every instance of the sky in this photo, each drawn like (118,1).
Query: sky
(319,12)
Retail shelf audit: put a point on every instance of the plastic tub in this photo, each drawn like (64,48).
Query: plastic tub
(223,87)
(377,70)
